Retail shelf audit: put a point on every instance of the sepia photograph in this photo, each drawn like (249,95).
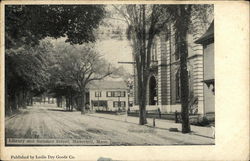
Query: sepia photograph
(109,75)
(124,80)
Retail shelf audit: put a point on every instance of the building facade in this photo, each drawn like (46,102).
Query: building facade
(108,96)
(163,89)
(207,41)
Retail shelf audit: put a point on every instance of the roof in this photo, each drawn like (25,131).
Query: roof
(107,85)
(208,36)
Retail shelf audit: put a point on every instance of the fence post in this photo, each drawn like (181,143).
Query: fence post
(176,117)
(154,122)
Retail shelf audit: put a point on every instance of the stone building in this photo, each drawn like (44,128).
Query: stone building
(207,41)
(163,90)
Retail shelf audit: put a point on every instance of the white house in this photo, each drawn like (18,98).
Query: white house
(108,95)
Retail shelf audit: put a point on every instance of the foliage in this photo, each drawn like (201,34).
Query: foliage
(29,58)
(144,22)
(26,74)
(35,22)
(28,68)
(81,64)
(181,18)
(76,66)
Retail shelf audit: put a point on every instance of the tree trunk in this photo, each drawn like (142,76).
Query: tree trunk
(58,101)
(25,99)
(19,99)
(67,103)
(7,105)
(82,101)
(31,100)
(182,48)
(13,101)
(141,70)
(142,105)
(71,101)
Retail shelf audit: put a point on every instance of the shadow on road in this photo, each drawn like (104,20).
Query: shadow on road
(61,110)
(150,126)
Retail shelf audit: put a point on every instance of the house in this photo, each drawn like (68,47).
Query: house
(108,95)
(163,89)
(207,41)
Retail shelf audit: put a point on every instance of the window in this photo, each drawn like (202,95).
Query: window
(98,94)
(117,94)
(123,94)
(109,94)
(154,53)
(177,54)
(122,104)
(119,104)
(100,103)
(115,104)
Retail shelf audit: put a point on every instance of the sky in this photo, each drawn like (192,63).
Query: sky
(112,50)
(115,51)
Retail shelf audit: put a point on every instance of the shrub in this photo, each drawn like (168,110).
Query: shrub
(203,121)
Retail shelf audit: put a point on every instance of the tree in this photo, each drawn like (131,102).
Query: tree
(35,22)
(144,23)
(79,65)
(26,74)
(182,22)
(26,26)
(180,16)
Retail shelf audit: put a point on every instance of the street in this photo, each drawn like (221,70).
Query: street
(46,121)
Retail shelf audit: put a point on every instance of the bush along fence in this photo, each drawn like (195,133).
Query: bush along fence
(111,112)
(194,119)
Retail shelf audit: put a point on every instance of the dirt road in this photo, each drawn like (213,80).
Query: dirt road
(48,122)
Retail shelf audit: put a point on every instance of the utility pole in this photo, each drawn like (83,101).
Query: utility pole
(126,109)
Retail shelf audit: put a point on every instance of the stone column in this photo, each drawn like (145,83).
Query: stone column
(198,65)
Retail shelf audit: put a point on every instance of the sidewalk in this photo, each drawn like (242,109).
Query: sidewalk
(206,132)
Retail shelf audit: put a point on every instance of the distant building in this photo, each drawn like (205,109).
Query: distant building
(163,89)
(108,95)
(207,41)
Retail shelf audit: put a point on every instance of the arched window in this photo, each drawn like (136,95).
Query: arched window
(152,91)
(175,43)
(154,52)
